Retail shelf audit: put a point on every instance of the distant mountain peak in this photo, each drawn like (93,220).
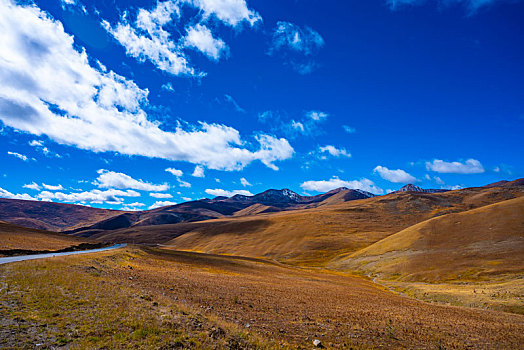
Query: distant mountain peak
(414,188)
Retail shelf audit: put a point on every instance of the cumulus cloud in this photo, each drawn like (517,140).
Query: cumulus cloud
(470,166)
(198,172)
(111,179)
(7,194)
(396,176)
(297,45)
(133,206)
(53,187)
(175,172)
(333,183)
(231,12)
(160,195)
(244,182)
(217,192)
(184,183)
(200,38)
(18,155)
(335,152)
(33,186)
(50,88)
(146,38)
(110,196)
(159,204)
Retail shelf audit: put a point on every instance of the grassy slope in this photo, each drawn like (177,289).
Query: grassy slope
(17,237)
(154,299)
(474,258)
(316,236)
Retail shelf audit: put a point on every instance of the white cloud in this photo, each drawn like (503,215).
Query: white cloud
(168,87)
(328,185)
(7,194)
(198,172)
(231,12)
(111,179)
(335,152)
(454,187)
(110,196)
(187,199)
(160,195)
(244,182)
(297,45)
(33,186)
(306,126)
(36,143)
(396,176)
(200,37)
(317,115)
(147,40)
(232,101)
(18,155)
(470,166)
(53,187)
(159,204)
(289,36)
(438,180)
(349,129)
(94,109)
(224,193)
(184,183)
(496,169)
(175,172)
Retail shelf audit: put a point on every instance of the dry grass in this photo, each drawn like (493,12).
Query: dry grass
(17,237)
(163,299)
(313,237)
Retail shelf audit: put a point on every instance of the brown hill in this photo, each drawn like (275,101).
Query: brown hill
(17,237)
(317,235)
(472,244)
(50,216)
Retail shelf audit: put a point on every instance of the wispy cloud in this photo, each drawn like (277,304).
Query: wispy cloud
(18,155)
(335,152)
(297,45)
(244,182)
(160,195)
(307,125)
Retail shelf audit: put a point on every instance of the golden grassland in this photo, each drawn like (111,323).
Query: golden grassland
(473,258)
(156,299)
(314,237)
(17,237)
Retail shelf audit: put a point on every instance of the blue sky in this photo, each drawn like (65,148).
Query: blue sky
(138,104)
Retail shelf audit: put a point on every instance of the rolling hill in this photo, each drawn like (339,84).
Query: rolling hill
(473,244)
(316,235)
(23,238)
